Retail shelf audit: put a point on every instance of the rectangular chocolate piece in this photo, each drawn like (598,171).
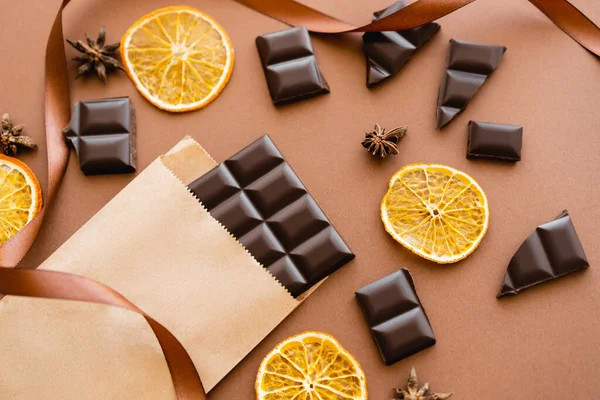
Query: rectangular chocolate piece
(102,132)
(552,251)
(257,196)
(494,141)
(387,52)
(290,66)
(469,65)
(395,316)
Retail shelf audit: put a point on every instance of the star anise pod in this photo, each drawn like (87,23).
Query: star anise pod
(381,143)
(414,393)
(11,138)
(96,56)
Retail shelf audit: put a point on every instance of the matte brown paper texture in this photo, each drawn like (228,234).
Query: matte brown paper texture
(157,245)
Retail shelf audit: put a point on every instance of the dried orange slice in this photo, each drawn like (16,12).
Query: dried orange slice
(20,196)
(310,366)
(179,58)
(435,211)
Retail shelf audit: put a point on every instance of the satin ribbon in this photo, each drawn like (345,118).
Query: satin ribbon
(62,286)
(564,15)
(57,110)
(56,285)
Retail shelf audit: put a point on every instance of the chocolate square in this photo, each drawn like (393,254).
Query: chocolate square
(494,141)
(551,251)
(388,52)
(290,66)
(395,316)
(102,132)
(257,196)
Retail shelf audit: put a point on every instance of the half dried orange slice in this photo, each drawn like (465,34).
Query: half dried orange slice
(435,211)
(179,58)
(20,196)
(310,366)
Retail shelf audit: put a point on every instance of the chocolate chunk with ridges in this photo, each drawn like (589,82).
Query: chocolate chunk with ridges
(290,66)
(494,141)
(102,132)
(257,196)
(552,251)
(387,52)
(395,316)
(469,65)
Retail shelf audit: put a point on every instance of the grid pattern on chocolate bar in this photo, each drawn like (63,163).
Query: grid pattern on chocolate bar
(290,66)
(552,251)
(257,196)
(102,132)
(469,65)
(387,52)
(395,316)
(490,141)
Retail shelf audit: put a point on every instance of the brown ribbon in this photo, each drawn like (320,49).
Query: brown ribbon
(63,286)
(56,285)
(565,15)
(57,110)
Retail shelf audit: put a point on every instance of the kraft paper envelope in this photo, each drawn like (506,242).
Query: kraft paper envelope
(157,245)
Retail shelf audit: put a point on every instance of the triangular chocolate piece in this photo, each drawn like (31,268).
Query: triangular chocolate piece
(552,251)
(387,52)
(469,65)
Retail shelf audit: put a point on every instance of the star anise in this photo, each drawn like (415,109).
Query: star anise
(381,143)
(96,56)
(414,393)
(11,138)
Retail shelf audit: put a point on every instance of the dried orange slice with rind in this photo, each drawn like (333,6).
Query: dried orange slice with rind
(310,366)
(179,58)
(435,211)
(20,197)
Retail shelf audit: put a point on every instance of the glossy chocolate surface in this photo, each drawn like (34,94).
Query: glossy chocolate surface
(494,141)
(469,65)
(387,52)
(102,132)
(552,251)
(290,66)
(257,196)
(395,316)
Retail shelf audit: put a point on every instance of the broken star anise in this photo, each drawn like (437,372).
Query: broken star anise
(381,143)
(414,393)
(96,56)
(11,138)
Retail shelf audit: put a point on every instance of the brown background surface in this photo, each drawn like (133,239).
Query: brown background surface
(542,344)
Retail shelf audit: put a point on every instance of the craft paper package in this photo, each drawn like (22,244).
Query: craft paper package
(157,245)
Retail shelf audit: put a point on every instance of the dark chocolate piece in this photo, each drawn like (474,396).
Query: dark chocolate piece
(257,196)
(387,52)
(469,65)
(552,251)
(395,316)
(494,141)
(290,66)
(103,135)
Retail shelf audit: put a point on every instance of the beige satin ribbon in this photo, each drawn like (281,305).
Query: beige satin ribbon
(55,285)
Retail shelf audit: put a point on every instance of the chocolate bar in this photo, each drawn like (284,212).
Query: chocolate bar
(494,141)
(290,66)
(552,251)
(469,65)
(387,52)
(257,196)
(102,132)
(395,316)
